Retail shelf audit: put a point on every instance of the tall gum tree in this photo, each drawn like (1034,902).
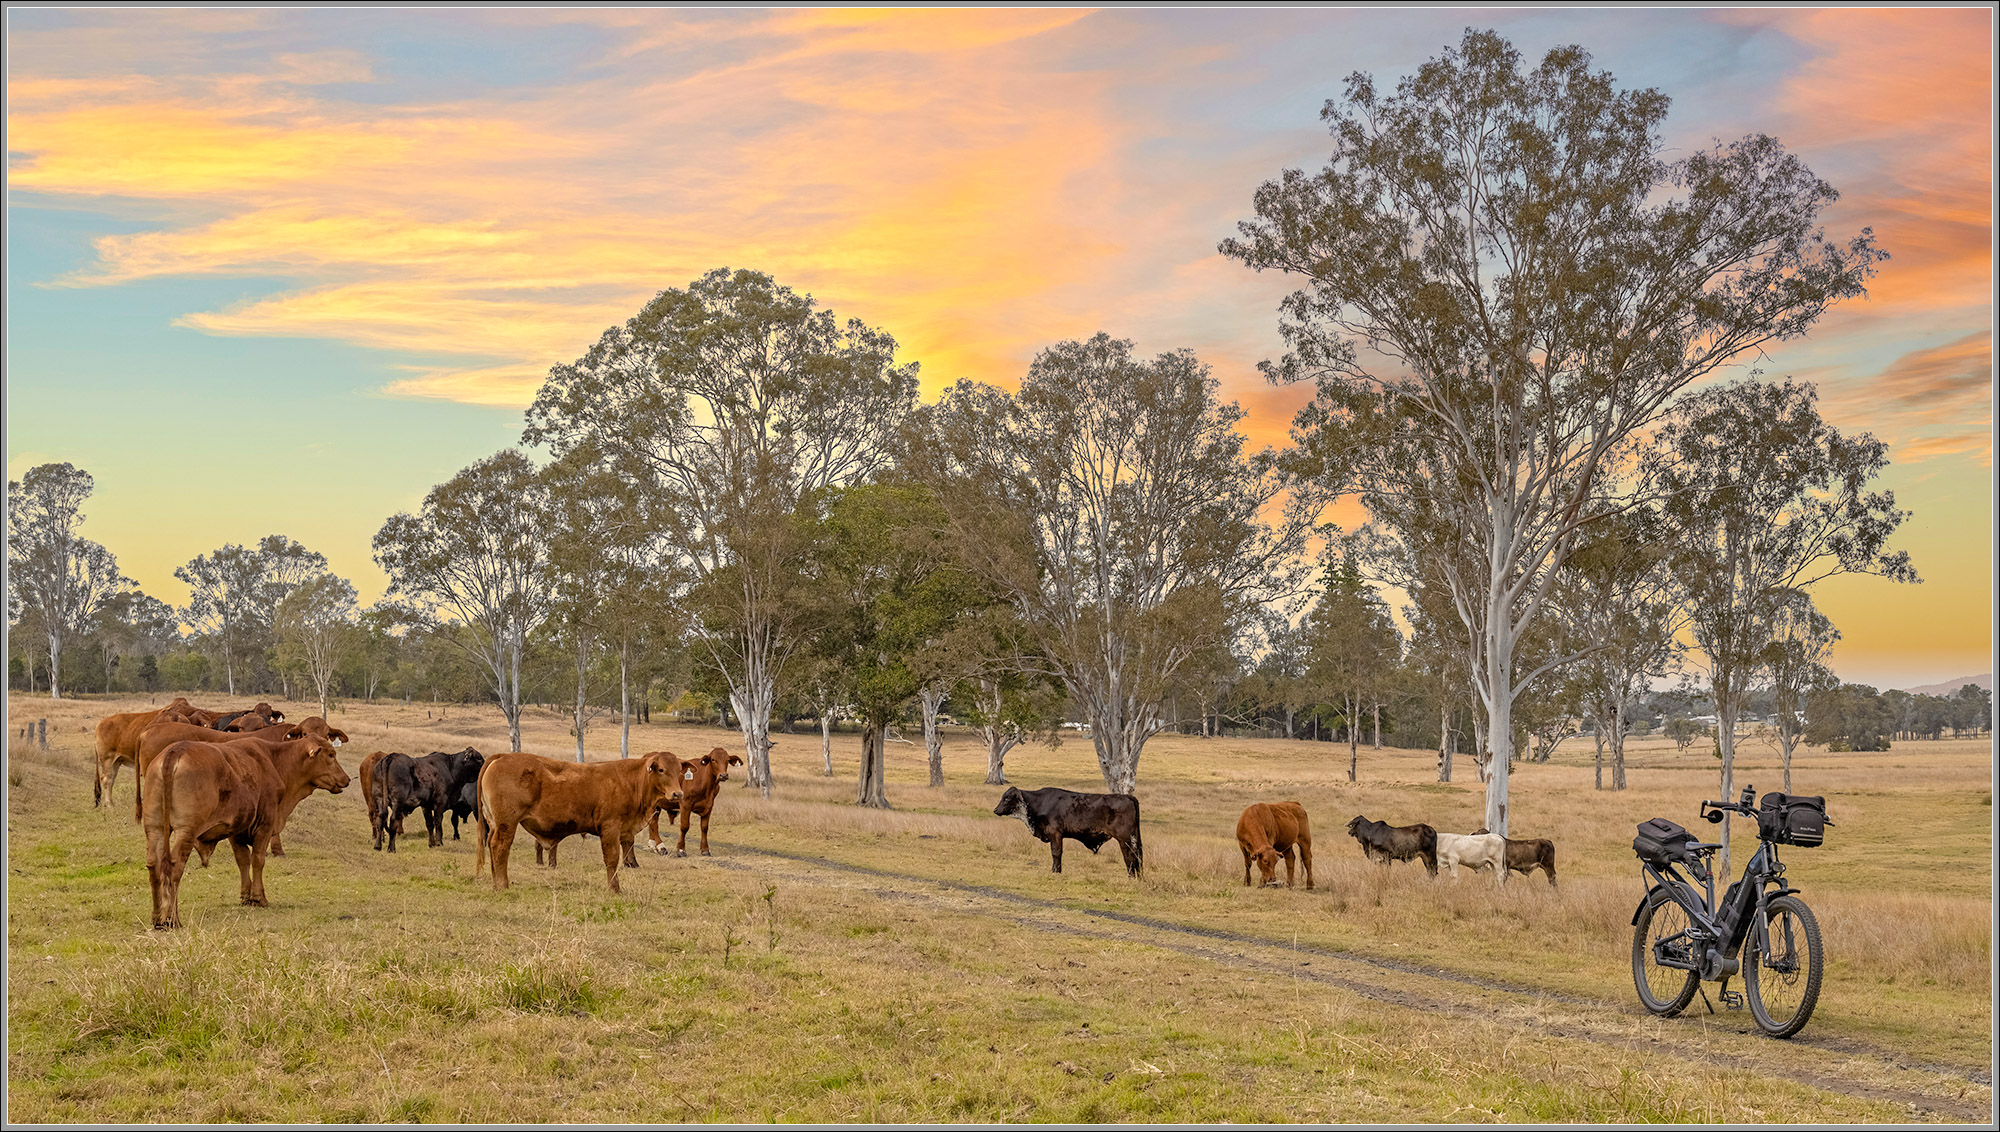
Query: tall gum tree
(1764,499)
(1110,504)
(1506,278)
(733,400)
(476,551)
(63,578)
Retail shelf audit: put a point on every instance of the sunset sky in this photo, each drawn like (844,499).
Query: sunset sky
(284,270)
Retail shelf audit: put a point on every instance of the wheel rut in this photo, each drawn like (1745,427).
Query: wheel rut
(1494,1001)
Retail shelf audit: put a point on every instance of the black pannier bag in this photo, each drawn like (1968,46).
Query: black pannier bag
(1661,842)
(1792,819)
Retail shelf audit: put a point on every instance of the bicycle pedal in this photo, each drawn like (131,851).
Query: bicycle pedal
(1731,1000)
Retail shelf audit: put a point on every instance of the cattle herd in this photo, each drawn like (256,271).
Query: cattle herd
(205,777)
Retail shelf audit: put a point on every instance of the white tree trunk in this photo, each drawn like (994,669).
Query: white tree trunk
(55,666)
(872,788)
(932,699)
(582,676)
(826,739)
(624,702)
(752,703)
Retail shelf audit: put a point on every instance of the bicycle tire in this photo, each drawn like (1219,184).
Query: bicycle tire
(1784,968)
(1660,918)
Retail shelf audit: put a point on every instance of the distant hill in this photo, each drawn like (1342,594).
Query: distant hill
(1947,687)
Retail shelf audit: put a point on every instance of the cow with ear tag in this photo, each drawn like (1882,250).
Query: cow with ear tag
(550,799)
(701,784)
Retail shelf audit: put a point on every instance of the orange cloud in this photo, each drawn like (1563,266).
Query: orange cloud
(1944,381)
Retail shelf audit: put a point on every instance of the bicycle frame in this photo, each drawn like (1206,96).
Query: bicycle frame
(1720,939)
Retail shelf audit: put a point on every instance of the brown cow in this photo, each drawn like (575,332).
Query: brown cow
(701,782)
(1526,856)
(160,736)
(1268,831)
(118,743)
(552,799)
(202,794)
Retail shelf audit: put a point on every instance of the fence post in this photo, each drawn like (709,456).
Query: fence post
(44,728)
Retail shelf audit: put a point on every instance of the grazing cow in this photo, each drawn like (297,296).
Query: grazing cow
(201,794)
(1527,855)
(552,799)
(430,783)
(1053,813)
(214,720)
(118,743)
(1385,843)
(1268,831)
(1474,851)
(701,782)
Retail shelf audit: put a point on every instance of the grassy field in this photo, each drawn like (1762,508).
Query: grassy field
(837,964)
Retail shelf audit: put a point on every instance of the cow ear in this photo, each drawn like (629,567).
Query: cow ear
(735,761)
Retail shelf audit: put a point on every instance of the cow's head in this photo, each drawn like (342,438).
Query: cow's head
(1354,827)
(663,772)
(321,765)
(269,712)
(1012,804)
(696,774)
(1267,860)
(469,761)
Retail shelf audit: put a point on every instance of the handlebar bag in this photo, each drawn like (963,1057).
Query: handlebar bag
(1792,819)
(1661,842)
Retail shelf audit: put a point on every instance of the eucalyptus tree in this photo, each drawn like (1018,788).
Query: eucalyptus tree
(131,622)
(1111,505)
(1795,663)
(1763,499)
(476,552)
(62,577)
(316,631)
(1508,276)
(1616,602)
(733,400)
(233,598)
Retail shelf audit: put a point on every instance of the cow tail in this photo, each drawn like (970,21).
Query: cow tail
(484,841)
(168,758)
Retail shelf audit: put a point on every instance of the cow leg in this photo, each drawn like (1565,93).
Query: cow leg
(243,869)
(277,845)
(1246,864)
(434,826)
(1129,851)
(625,852)
(1289,853)
(653,834)
(1055,855)
(1306,858)
(177,859)
(503,840)
(376,825)
(156,870)
(681,846)
(608,839)
(454,825)
(394,822)
(704,834)
(107,777)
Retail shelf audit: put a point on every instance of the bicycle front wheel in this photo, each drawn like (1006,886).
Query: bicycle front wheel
(1663,930)
(1782,976)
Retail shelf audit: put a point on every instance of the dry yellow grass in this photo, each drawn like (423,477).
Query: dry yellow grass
(930,967)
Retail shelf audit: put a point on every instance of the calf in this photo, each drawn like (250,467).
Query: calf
(1385,843)
(201,794)
(118,743)
(430,783)
(1268,831)
(552,799)
(701,782)
(1474,851)
(1053,814)
(1526,856)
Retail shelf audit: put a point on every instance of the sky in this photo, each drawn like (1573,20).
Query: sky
(284,270)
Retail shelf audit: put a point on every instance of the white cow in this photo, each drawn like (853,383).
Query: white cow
(1474,851)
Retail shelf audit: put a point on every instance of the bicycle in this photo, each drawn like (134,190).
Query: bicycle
(1682,937)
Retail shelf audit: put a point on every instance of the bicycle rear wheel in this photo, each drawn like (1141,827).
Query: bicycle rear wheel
(1663,928)
(1783,972)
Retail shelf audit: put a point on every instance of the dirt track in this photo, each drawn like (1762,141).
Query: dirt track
(1830,1063)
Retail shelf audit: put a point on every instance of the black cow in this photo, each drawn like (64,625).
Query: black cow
(432,783)
(1053,813)
(1385,843)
